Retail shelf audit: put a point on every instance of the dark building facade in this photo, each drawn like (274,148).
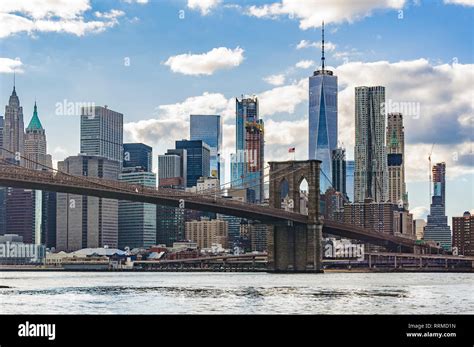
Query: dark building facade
(463,234)
(137,155)
(198,160)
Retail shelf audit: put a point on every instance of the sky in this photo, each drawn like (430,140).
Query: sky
(159,61)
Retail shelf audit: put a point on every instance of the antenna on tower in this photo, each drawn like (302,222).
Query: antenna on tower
(322,48)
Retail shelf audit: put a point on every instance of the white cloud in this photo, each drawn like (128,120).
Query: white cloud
(206,63)
(305,64)
(460,2)
(275,80)
(419,212)
(204,6)
(52,16)
(311,13)
(328,46)
(8,65)
(284,98)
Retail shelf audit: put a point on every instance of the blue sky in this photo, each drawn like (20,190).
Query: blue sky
(78,51)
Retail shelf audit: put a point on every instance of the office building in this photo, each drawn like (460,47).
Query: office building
(350,167)
(206,232)
(370,176)
(463,234)
(137,155)
(102,133)
(323,131)
(437,228)
(247,163)
(35,145)
(396,159)
(87,221)
(208,128)
(197,160)
(172,169)
(339,170)
(13,130)
(137,220)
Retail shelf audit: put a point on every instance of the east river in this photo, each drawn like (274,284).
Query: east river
(235,293)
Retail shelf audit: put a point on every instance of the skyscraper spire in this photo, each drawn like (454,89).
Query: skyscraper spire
(322,48)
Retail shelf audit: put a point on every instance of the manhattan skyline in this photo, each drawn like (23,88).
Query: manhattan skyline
(157,80)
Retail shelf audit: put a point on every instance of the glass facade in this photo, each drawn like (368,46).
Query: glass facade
(198,156)
(323,121)
(137,155)
(350,165)
(208,128)
(137,220)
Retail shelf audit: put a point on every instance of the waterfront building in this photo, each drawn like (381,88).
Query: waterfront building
(87,221)
(437,228)
(370,176)
(137,220)
(463,234)
(323,128)
(206,232)
(137,155)
(247,162)
(208,128)
(197,160)
(102,133)
(395,144)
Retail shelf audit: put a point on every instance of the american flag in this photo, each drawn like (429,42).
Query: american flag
(291,150)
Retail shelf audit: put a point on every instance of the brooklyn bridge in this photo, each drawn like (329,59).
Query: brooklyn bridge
(294,240)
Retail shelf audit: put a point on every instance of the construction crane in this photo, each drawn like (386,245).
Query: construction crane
(429,172)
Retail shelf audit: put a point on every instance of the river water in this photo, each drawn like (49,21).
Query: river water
(235,293)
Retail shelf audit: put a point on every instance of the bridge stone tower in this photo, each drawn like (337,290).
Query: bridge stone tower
(295,248)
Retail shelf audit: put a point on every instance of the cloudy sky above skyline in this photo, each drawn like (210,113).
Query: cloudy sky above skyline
(159,61)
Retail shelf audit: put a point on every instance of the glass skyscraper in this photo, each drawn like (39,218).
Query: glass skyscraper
(208,128)
(323,118)
(198,160)
(350,165)
(137,155)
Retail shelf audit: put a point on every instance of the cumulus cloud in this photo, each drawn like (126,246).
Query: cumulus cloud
(206,63)
(275,80)
(459,2)
(305,64)
(142,2)
(8,65)
(204,6)
(311,13)
(52,16)
(284,98)
(420,212)
(328,46)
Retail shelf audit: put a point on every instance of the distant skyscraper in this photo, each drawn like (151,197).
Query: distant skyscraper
(419,226)
(323,118)
(437,228)
(137,155)
(13,131)
(102,133)
(370,176)
(463,234)
(208,128)
(339,170)
(350,166)
(169,225)
(2,190)
(172,168)
(137,220)
(198,160)
(35,145)
(396,159)
(247,163)
(20,207)
(87,221)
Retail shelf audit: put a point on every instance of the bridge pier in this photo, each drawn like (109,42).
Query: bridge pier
(295,248)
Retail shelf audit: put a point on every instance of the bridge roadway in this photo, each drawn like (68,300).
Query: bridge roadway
(19,177)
